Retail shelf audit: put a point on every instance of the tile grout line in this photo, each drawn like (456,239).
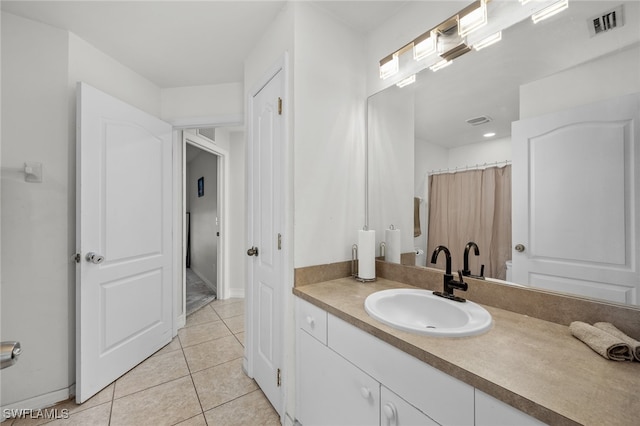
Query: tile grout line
(113,396)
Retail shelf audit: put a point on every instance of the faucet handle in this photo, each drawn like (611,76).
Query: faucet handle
(460,285)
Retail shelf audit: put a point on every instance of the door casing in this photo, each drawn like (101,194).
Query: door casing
(179,170)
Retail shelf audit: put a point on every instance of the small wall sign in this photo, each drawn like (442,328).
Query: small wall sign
(201,187)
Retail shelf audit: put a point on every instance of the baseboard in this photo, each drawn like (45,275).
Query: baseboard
(181,321)
(39,402)
(236,293)
(206,281)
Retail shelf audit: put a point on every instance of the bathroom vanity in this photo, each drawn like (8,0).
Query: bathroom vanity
(353,369)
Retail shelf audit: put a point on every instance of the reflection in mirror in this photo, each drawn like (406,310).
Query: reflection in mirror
(430,129)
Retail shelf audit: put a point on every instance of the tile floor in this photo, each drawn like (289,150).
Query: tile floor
(197,379)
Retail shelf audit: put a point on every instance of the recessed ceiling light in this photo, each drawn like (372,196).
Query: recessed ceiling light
(489,135)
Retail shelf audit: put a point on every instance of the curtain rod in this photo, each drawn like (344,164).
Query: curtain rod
(468,167)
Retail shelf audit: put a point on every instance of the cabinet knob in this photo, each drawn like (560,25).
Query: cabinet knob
(365,392)
(390,413)
(310,321)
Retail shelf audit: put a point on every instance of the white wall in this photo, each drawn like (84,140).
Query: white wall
(391,187)
(329,135)
(606,77)
(37,242)
(204,215)
(237,220)
(219,101)
(479,154)
(90,65)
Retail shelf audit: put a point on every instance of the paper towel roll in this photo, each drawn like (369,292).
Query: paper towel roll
(367,254)
(392,245)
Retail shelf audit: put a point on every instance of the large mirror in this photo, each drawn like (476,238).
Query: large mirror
(459,119)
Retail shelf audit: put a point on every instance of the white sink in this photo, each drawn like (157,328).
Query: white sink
(422,312)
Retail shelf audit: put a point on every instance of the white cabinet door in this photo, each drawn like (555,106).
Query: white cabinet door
(576,194)
(332,391)
(445,399)
(395,411)
(491,412)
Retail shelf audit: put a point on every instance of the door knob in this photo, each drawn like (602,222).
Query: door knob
(519,248)
(253,251)
(9,353)
(94,258)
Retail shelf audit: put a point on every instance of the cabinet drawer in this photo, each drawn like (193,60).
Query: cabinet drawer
(492,412)
(445,399)
(312,319)
(395,411)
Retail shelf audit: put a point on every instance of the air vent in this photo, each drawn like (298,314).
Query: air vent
(476,121)
(209,133)
(606,21)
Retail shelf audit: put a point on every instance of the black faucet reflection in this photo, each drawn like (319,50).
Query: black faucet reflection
(449,283)
(465,270)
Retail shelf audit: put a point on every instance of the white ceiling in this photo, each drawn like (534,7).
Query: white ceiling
(184,43)
(191,43)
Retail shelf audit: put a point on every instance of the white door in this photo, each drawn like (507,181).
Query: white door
(576,189)
(124,195)
(265,235)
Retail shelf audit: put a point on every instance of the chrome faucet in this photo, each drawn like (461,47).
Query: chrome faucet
(465,270)
(448,282)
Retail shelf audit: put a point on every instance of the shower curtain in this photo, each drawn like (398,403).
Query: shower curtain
(473,205)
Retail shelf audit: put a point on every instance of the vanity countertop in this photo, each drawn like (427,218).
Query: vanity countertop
(534,365)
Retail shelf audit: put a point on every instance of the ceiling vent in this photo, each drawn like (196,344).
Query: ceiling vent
(606,21)
(476,121)
(209,133)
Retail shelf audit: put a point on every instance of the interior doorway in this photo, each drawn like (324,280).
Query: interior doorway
(202,216)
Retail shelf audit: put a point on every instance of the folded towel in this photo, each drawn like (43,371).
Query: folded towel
(602,342)
(614,331)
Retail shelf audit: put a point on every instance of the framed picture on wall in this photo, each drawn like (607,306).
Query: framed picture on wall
(201,187)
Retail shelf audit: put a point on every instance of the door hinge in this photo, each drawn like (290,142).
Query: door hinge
(279,241)
(279,378)
(279,106)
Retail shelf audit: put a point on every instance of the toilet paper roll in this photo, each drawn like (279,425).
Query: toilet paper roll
(367,254)
(392,245)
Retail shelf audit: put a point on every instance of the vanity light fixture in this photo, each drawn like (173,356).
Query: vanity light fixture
(548,12)
(523,2)
(407,81)
(492,39)
(389,66)
(443,63)
(450,43)
(472,17)
(489,135)
(425,45)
